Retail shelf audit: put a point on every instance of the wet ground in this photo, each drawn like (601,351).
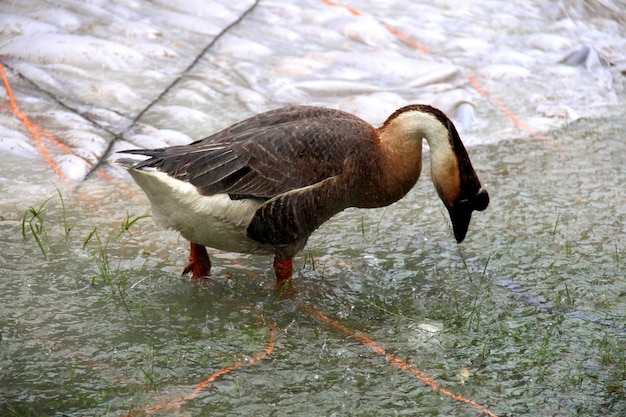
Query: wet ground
(526,317)
(391,317)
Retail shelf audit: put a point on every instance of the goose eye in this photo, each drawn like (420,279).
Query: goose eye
(481,200)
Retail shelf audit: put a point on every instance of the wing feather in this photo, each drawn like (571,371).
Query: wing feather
(293,216)
(268,154)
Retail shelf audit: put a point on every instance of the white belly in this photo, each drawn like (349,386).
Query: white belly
(214,221)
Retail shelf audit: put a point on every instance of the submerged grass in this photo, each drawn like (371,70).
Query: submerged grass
(472,320)
(36,221)
(111,273)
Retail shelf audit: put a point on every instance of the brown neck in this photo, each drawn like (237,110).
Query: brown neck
(400,157)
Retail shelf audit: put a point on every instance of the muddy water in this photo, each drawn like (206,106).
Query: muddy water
(526,317)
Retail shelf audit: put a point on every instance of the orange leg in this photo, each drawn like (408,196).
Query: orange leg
(284,270)
(199,263)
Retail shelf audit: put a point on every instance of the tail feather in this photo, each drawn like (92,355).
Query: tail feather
(131,162)
(126,162)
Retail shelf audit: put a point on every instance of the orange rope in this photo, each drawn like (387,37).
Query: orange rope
(202,386)
(397,362)
(37,131)
(392,30)
(406,39)
(516,121)
(54,140)
(350,9)
(32,127)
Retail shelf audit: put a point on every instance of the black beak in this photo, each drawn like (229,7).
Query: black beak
(461,213)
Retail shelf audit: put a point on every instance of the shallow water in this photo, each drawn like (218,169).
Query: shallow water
(526,317)
(535,321)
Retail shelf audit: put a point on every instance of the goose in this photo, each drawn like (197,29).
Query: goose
(265,184)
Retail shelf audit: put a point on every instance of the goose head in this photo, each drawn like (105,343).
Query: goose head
(452,173)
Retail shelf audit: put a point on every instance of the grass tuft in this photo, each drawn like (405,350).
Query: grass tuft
(111,274)
(472,320)
(34,221)
(66,225)
(35,225)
